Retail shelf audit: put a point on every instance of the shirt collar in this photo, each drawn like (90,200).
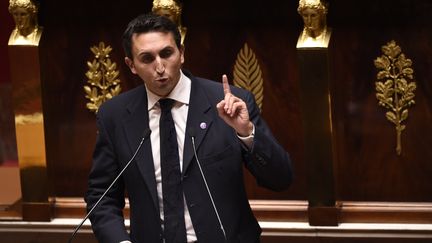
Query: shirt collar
(180,93)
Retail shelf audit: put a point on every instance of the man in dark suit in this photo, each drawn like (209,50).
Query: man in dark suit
(222,122)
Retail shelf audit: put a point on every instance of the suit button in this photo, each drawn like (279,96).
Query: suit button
(261,161)
(192,205)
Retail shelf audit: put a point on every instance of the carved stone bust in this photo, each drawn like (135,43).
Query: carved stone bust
(27,30)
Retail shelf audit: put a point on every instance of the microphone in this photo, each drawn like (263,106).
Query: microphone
(145,135)
(191,133)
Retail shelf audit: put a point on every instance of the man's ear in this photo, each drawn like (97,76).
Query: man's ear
(182,51)
(130,64)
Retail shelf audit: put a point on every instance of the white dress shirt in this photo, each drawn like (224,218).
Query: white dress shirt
(179,111)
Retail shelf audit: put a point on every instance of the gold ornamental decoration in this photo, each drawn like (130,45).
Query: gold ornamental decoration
(102,78)
(171,9)
(247,74)
(27,32)
(395,86)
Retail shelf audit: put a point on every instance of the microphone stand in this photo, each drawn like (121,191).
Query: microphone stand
(192,135)
(144,137)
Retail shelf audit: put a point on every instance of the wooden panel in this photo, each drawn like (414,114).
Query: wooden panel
(297,211)
(60,231)
(8,150)
(8,154)
(30,131)
(367,168)
(67,41)
(7,27)
(72,128)
(364,212)
(265,210)
(217,32)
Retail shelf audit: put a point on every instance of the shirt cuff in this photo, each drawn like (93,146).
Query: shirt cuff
(248,141)
(125,241)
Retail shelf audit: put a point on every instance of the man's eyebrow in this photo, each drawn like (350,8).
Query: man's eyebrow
(167,47)
(144,53)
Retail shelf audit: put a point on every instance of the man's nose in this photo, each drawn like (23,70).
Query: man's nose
(160,67)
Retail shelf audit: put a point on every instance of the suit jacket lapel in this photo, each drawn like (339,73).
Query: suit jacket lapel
(134,126)
(199,120)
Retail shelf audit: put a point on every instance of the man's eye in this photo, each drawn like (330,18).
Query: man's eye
(147,58)
(166,53)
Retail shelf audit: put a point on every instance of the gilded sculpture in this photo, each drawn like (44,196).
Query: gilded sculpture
(315,32)
(171,9)
(27,31)
(395,86)
(248,75)
(102,78)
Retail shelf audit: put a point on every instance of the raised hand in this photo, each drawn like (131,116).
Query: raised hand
(233,111)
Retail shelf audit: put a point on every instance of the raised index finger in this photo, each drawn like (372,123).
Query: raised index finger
(226,86)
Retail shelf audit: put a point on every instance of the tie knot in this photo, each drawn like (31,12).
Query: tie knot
(166,104)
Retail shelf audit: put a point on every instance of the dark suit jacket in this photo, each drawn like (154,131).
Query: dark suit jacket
(121,122)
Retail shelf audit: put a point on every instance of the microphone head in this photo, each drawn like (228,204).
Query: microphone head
(146,133)
(191,132)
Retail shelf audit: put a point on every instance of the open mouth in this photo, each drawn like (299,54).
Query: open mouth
(162,80)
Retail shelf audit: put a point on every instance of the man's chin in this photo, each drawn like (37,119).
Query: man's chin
(164,90)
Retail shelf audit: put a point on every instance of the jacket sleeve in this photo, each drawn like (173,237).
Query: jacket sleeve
(267,160)
(107,218)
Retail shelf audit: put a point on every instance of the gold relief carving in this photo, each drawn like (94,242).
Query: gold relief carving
(247,74)
(27,31)
(171,9)
(395,86)
(102,78)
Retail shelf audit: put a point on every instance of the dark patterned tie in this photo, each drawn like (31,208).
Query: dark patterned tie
(172,190)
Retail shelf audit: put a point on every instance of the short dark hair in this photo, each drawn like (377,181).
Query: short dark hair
(149,23)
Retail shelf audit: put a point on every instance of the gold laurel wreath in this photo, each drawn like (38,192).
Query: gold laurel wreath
(395,86)
(247,74)
(102,78)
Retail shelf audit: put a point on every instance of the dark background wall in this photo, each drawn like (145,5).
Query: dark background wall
(216,33)
(8,152)
(366,166)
